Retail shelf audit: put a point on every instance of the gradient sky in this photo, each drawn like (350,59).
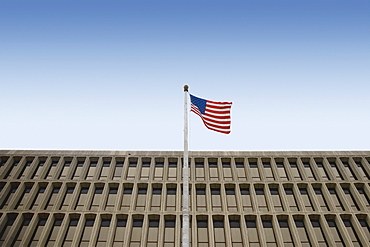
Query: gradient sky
(109,75)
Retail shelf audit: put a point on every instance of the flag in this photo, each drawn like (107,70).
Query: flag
(215,115)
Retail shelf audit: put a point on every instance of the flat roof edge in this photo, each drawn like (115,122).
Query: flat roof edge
(179,153)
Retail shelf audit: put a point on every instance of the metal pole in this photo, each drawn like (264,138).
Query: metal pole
(185,186)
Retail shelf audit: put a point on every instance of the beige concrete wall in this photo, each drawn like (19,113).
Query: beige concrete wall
(133,198)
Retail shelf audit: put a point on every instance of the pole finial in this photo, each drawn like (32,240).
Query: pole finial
(186,87)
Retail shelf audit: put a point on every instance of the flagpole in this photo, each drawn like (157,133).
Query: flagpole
(185,176)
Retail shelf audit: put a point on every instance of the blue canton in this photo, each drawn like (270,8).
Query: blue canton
(198,102)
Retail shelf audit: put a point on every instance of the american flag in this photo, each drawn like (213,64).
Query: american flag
(215,115)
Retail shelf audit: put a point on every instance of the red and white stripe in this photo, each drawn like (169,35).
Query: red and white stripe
(216,117)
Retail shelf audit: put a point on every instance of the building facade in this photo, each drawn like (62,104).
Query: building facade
(123,198)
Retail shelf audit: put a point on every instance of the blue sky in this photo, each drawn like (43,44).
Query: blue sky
(108,75)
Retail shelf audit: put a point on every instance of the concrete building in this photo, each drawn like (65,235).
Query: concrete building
(122,198)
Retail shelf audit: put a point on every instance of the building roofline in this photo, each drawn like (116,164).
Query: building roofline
(179,153)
